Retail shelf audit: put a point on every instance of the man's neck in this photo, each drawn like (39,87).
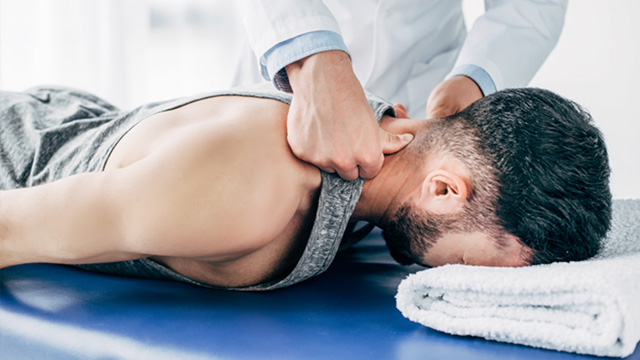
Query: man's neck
(400,175)
(385,192)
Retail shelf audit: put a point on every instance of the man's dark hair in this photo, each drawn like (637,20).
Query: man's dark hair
(551,171)
(538,169)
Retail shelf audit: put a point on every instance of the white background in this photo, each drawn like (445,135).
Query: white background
(135,51)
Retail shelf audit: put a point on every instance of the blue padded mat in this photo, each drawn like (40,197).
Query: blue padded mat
(59,312)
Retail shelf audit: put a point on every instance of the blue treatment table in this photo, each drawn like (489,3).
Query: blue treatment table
(59,312)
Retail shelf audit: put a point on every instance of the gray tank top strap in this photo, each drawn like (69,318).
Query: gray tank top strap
(338,199)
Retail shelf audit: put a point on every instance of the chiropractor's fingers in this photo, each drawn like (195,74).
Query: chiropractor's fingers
(401,111)
(392,143)
(370,167)
(451,96)
(367,168)
(350,174)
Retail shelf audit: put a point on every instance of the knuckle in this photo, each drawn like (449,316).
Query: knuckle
(371,159)
(370,171)
(349,175)
(343,163)
(300,153)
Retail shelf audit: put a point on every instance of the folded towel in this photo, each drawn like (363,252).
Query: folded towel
(588,307)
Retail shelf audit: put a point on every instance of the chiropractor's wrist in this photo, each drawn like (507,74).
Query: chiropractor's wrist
(319,66)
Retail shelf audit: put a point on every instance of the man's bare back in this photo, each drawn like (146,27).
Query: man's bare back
(247,202)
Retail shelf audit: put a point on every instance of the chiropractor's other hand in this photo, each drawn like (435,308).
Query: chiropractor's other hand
(330,122)
(451,96)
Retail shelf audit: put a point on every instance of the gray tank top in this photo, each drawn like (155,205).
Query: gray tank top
(49,133)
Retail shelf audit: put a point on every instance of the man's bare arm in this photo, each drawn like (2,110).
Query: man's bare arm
(73,220)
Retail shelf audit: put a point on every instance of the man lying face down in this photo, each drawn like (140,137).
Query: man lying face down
(206,190)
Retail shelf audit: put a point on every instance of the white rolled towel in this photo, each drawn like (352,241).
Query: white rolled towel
(588,307)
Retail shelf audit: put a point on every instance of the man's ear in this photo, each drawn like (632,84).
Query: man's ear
(401,111)
(444,192)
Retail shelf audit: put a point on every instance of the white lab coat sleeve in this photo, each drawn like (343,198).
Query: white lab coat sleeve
(512,39)
(270,22)
(272,64)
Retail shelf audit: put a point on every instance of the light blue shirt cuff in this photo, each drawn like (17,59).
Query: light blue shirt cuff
(272,63)
(479,75)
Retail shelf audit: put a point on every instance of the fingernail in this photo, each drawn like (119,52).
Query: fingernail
(407,137)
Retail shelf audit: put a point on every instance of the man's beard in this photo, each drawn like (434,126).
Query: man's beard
(409,235)
(412,230)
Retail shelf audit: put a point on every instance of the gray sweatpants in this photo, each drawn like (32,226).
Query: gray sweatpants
(49,133)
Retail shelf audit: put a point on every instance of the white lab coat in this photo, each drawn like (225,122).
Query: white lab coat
(401,49)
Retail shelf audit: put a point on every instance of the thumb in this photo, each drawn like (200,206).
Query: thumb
(392,143)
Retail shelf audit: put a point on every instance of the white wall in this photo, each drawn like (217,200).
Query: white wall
(597,63)
(127,51)
(110,48)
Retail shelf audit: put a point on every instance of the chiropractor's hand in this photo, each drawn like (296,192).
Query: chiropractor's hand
(451,96)
(330,122)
